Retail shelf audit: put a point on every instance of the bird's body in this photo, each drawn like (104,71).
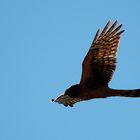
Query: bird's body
(97,70)
(88,93)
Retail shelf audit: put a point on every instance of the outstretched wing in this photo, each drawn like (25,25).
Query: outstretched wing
(100,62)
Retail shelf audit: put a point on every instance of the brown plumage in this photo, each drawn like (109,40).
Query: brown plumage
(97,70)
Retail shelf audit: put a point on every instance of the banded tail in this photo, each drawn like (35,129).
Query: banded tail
(125,93)
(66,100)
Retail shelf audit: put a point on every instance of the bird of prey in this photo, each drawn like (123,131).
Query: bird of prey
(97,70)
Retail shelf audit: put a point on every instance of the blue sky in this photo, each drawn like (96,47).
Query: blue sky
(43,43)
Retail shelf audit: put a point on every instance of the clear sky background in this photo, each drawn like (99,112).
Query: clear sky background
(42,46)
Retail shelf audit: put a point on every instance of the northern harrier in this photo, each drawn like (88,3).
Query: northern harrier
(97,70)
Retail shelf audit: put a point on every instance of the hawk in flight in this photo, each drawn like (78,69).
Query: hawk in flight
(97,70)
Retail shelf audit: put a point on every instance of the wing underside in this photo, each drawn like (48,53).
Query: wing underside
(100,61)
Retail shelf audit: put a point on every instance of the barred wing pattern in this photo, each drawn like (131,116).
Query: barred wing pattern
(100,62)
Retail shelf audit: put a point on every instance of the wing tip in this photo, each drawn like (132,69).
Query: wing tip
(120,33)
(116,21)
(96,36)
(108,23)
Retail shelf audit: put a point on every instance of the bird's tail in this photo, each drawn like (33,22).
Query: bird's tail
(125,93)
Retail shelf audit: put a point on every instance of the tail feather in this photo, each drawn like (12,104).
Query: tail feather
(125,93)
(66,100)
